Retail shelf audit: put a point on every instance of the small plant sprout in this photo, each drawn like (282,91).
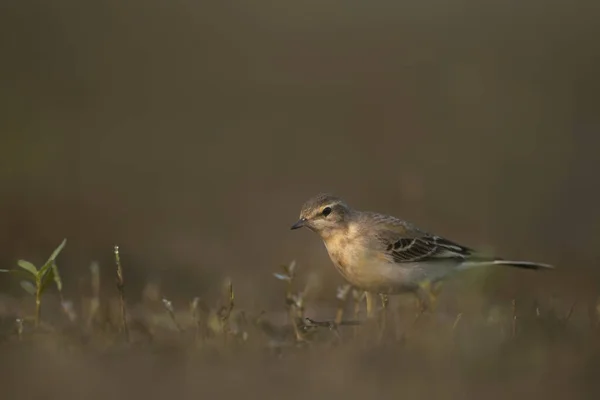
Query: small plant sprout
(297,302)
(169,307)
(57,280)
(40,278)
(385,300)
(28,287)
(194,305)
(296,313)
(121,289)
(226,309)
(289,274)
(95,300)
(456,321)
(66,305)
(570,312)
(69,309)
(341,296)
(19,325)
(294,302)
(289,271)
(197,308)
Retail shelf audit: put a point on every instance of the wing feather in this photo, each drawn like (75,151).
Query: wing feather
(426,248)
(404,243)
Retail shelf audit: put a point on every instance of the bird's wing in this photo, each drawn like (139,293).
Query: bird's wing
(426,248)
(404,243)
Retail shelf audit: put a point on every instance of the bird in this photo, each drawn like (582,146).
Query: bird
(384,255)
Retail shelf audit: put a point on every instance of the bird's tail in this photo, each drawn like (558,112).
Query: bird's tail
(516,264)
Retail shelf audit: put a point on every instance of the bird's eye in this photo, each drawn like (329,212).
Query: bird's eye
(326,211)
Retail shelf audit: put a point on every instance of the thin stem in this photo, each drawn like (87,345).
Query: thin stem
(95,300)
(197,319)
(456,321)
(121,288)
(38,302)
(570,312)
(339,313)
(19,328)
(356,314)
(225,311)
(171,311)
(38,309)
(384,315)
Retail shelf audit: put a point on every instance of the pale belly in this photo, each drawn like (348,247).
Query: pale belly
(369,271)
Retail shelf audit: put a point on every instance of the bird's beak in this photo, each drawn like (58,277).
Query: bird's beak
(299,224)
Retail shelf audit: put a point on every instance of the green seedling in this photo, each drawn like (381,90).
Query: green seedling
(39,278)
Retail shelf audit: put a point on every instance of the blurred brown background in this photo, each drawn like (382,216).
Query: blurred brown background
(190,133)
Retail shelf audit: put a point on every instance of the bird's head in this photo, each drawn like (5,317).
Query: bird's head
(324,214)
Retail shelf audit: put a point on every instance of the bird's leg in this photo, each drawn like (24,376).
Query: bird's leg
(370,302)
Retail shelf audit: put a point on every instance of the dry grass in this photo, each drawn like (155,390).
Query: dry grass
(215,347)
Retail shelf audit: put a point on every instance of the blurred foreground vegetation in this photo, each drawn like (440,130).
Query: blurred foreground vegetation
(100,345)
